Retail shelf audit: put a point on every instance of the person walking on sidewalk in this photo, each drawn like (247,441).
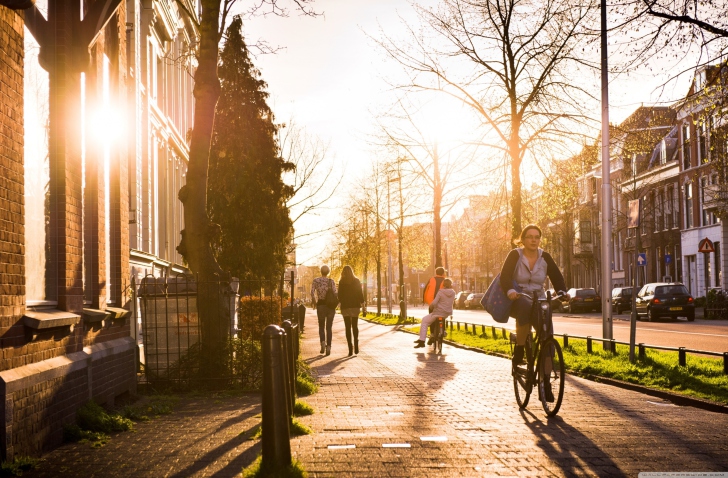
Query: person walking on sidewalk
(352,300)
(319,287)
(528,266)
(441,307)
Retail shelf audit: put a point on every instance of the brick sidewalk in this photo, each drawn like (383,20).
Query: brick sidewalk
(407,412)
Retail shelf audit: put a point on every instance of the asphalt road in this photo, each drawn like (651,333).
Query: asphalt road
(709,335)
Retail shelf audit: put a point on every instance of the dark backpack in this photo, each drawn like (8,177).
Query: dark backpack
(331,300)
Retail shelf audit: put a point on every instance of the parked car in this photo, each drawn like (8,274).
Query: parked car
(621,299)
(582,299)
(665,299)
(473,301)
(460,298)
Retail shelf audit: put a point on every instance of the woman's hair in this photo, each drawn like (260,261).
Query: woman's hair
(347,275)
(447,284)
(525,230)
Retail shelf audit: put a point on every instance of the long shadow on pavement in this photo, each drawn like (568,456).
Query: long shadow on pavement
(434,370)
(572,451)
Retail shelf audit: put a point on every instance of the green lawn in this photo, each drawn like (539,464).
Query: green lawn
(700,378)
(387,319)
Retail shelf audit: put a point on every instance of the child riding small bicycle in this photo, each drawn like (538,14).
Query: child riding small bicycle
(440,307)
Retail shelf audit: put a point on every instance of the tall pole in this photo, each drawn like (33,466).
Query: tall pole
(606,193)
(389,255)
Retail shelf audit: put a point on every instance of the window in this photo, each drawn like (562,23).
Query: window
(717,268)
(668,209)
(688,206)
(703,126)
(585,231)
(686,152)
(594,186)
(660,210)
(38,285)
(678,264)
(663,152)
(705,216)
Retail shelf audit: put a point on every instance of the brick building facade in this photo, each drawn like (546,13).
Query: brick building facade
(64,241)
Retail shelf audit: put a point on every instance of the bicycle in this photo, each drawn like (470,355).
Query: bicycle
(544,362)
(438,335)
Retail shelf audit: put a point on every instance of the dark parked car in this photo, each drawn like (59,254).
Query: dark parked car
(621,299)
(473,301)
(582,299)
(665,299)
(460,299)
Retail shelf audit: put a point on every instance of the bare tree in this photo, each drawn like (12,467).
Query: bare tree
(443,172)
(674,27)
(316,179)
(513,62)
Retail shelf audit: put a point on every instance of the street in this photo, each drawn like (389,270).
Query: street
(708,335)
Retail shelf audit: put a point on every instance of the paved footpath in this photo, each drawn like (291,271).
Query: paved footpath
(393,411)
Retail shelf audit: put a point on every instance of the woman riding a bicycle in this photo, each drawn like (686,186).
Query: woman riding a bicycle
(528,266)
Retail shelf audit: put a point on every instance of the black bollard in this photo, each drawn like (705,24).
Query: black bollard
(482,328)
(589,344)
(291,355)
(725,363)
(681,357)
(492,331)
(642,352)
(287,373)
(566,340)
(276,431)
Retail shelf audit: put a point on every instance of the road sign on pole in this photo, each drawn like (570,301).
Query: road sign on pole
(642,259)
(668,258)
(706,246)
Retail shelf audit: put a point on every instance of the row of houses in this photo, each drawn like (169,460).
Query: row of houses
(95,109)
(672,159)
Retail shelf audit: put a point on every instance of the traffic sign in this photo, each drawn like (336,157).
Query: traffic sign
(668,258)
(642,259)
(706,245)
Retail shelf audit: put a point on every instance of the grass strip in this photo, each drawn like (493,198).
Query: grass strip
(388,319)
(256,470)
(18,466)
(702,377)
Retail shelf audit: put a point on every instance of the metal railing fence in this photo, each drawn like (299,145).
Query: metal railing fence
(612,344)
(198,333)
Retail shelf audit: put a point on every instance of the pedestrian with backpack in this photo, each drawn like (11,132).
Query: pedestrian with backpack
(325,300)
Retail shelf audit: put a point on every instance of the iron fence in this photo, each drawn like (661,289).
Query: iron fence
(611,343)
(196,334)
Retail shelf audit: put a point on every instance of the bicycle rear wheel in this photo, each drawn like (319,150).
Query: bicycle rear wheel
(521,383)
(439,338)
(551,382)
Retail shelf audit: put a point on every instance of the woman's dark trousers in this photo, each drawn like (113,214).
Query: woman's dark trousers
(352,325)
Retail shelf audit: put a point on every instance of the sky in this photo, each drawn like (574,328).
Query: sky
(330,77)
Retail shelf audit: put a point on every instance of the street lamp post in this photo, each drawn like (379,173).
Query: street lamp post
(606,191)
(389,256)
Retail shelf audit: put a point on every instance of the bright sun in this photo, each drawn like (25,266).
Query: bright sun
(444,119)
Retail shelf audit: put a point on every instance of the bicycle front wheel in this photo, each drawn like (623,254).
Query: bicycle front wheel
(523,376)
(552,373)
(439,339)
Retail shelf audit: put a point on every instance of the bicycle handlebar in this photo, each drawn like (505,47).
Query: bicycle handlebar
(556,296)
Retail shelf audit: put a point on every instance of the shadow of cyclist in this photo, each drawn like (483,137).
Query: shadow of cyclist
(434,370)
(569,449)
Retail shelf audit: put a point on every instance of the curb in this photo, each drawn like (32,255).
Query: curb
(674,398)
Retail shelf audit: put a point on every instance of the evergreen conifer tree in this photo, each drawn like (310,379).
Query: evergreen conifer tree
(246,192)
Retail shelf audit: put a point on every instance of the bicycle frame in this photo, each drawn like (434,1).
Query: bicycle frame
(536,372)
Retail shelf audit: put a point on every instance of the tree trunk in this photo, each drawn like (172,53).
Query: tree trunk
(195,245)
(437,203)
(515,154)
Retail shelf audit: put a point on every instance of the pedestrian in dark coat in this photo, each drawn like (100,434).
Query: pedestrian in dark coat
(352,300)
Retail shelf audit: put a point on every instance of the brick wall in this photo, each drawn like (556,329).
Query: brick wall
(44,381)
(12,239)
